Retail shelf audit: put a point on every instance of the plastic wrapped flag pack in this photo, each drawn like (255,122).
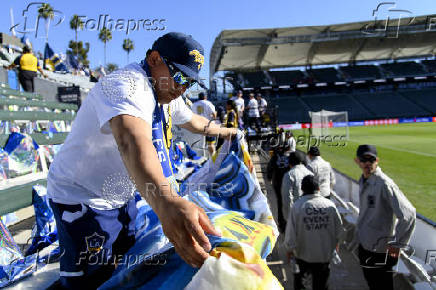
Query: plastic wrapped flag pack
(45,233)
(13,265)
(236,206)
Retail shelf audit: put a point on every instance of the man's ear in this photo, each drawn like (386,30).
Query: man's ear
(356,160)
(154,59)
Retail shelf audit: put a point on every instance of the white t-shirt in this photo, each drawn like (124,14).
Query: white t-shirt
(262,105)
(239,104)
(253,110)
(88,169)
(204,108)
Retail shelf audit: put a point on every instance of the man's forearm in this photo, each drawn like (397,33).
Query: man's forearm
(201,125)
(140,158)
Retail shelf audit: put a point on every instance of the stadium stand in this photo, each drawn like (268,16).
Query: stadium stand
(27,112)
(430,65)
(389,104)
(255,79)
(291,109)
(403,69)
(424,97)
(325,75)
(338,102)
(361,72)
(284,78)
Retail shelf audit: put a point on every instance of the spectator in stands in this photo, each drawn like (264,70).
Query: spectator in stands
(253,112)
(290,143)
(276,168)
(322,170)
(240,104)
(262,104)
(386,220)
(112,151)
(231,119)
(313,231)
(28,66)
(291,183)
(205,108)
(221,113)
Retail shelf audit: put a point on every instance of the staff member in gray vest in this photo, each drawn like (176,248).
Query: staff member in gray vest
(291,183)
(313,232)
(386,220)
(322,170)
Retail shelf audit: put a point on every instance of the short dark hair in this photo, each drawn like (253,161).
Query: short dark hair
(314,151)
(26,49)
(296,157)
(201,96)
(309,184)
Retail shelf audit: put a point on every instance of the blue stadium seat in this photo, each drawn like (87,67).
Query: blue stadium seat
(361,72)
(389,105)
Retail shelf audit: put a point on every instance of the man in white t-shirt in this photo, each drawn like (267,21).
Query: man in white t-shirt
(240,105)
(205,108)
(119,143)
(253,112)
(262,104)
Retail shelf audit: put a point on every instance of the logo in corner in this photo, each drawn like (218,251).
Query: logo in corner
(94,243)
(198,57)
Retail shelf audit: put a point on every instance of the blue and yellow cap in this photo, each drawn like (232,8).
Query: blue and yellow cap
(183,51)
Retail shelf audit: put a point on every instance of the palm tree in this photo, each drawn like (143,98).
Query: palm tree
(75,24)
(128,46)
(46,12)
(105,35)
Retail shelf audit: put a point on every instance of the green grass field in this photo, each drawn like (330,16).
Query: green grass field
(407,154)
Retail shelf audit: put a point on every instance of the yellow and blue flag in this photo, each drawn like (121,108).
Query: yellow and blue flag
(52,61)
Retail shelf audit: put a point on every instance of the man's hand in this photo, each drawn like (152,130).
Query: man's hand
(185,225)
(183,222)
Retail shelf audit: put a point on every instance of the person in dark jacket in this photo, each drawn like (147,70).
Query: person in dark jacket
(277,167)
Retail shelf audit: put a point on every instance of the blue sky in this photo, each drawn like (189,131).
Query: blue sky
(204,20)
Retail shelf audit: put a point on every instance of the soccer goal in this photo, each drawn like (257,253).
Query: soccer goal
(329,123)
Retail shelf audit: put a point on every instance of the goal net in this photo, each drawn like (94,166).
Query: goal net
(329,123)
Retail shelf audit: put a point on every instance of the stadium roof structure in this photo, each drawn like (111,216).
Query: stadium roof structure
(262,49)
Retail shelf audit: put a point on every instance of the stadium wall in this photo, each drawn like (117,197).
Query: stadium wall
(424,238)
(361,123)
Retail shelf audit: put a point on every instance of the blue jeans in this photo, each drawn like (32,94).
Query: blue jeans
(92,242)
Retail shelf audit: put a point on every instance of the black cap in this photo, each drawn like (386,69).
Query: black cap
(363,150)
(183,51)
(309,184)
(314,151)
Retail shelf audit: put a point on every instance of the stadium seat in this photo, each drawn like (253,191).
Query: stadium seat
(403,69)
(361,72)
(325,75)
(255,79)
(423,97)
(337,103)
(389,105)
(430,65)
(291,109)
(286,78)
(6,91)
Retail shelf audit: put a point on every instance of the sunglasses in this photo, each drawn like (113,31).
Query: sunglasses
(178,76)
(364,159)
